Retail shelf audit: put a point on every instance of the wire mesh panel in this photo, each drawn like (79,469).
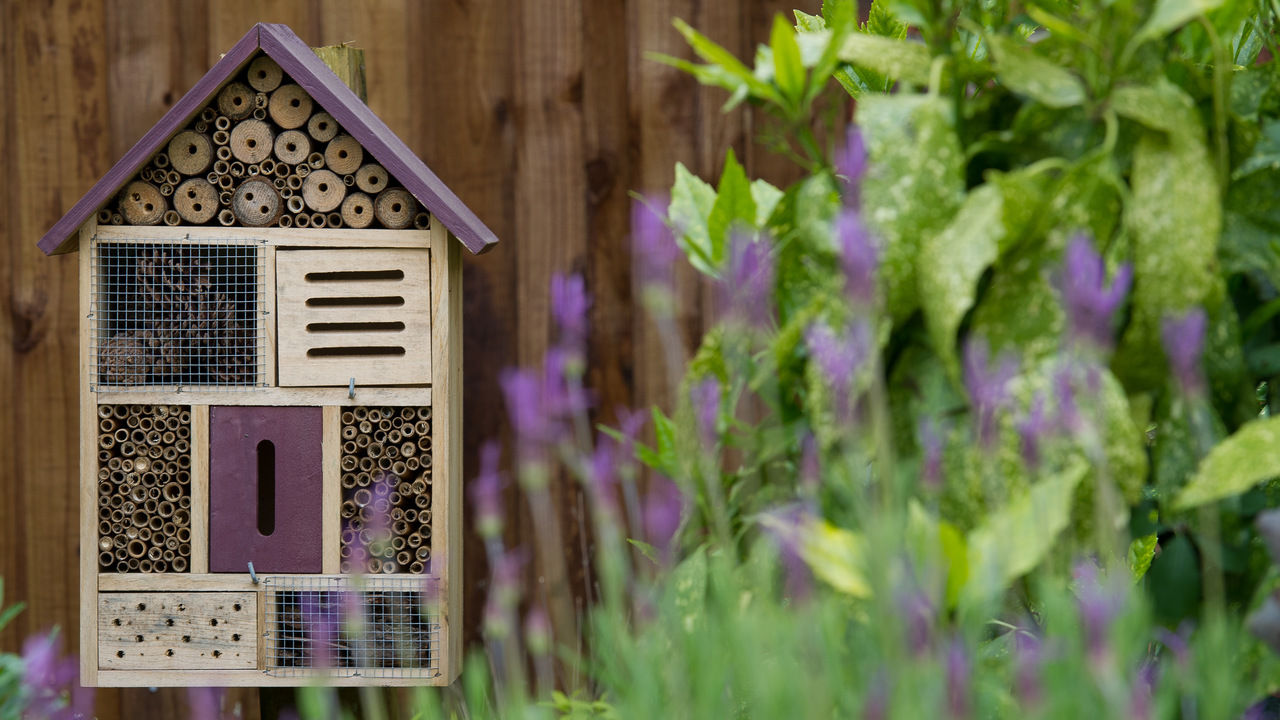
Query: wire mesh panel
(178,313)
(376,627)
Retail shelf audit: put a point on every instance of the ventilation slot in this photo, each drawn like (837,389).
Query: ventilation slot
(384,301)
(356,275)
(354,351)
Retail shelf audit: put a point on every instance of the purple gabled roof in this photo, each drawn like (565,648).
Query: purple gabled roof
(293,55)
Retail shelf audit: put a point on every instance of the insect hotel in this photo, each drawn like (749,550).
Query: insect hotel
(270,374)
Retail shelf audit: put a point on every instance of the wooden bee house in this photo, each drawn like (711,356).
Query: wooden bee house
(270,374)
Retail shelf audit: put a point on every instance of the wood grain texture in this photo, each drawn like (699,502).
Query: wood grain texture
(178,630)
(331,525)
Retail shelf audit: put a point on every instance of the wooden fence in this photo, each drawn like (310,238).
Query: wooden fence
(541,114)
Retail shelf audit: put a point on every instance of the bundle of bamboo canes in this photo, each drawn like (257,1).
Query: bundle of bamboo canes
(144,488)
(386,489)
(245,158)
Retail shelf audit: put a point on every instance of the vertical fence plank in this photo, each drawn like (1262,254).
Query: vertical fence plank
(378,27)
(461,83)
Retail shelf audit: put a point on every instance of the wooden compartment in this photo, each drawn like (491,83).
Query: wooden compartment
(184,631)
(353,313)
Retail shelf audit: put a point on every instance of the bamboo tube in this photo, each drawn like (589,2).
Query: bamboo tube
(179,564)
(137,548)
(184,549)
(170,540)
(374,450)
(222,123)
(220,168)
(236,101)
(221,137)
(416,567)
(315,161)
(139,518)
(348,509)
(182,516)
(122,435)
(345,568)
(333,220)
(285,221)
(252,171)
(153,437)
(106,558)
(375,415)
(400,527)
(161,160)
(128,449)
(362,497)
(191,153)
(169,555)
(196,200)
(260,101)
(252,141)
(201,127)
(367,464)
(151,505)
(140,465)
(348,480)
(372,178)
(256,203)
(348,431)
(208,115)
(294,181)
(172,218)
(106,442)
(322,191)
(384,462)
(423,502)
(375,566)
(317,219)
(412,464)
(357,210)
(398,467)
(169,438)
(423,553)
(322,127)
(237,169)
(154,554)
(212,176)
(260,114)
(144,565)
(138,436)
(344,155)
(397,513)
(104,216)
(362,441)
(364,479)
(184,536)
(105,412)
(303,170)
(301,220)
(155,523)
(350,463)
(395,208)
(224,151)
(174,177)
(393,437)
(142,204)
(403,558)
(295,206)
(165,509)
(424,443)
(422,221)
(267,167)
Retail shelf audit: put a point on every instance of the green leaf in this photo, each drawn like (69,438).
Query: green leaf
(950,264)
(766,198)
(1026,73)
(1170,15)
(1017,537)
(787,66)
(732,66)
(645,549)
(807,23)
(1162,106)
(692,200)
(1174,219)
(914,184)
(664,456)
(838,557)
(1251,226)
(1248,457)
(734,205)
(881,21)
(896,59)
(1141,552)
(689,589)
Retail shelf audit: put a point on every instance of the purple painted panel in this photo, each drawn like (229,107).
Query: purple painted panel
(295,544)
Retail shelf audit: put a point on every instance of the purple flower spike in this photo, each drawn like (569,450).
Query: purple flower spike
(1099,607)
(859,257)
(486,491)
(320,621)
(652,244)
(810,466)
(1264,623)
(851,165)
(1029,682)
(205,703)
(1032,431)
(959,677)
(875,706)
(705,398)
(749,280)
(569,305)
(602,467)
(918,614)
(663,507)
(1183,340)
(839,358)
(537,631)
(1268,524)
(932,444)
(988,389)
(1144,686)
(46,674)
(1089,301)
(786,527)
(523,392)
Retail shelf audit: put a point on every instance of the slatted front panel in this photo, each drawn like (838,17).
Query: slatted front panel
(354,313)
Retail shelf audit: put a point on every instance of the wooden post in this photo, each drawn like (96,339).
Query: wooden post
(348,64)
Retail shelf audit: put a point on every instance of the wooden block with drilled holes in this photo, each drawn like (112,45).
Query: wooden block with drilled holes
(362,314)
(188,631)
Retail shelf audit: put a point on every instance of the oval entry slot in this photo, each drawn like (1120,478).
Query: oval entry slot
(266,488)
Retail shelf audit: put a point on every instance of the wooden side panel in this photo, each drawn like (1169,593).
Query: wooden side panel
(88,474)
(172,631)
(199,489)
(446,539)
(361,314)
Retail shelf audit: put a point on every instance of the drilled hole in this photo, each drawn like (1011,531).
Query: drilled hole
(138,638)
(290,147)
(186,638)
(217,653)
(142,606)
(191,193)
(235,637)
(119,653)
(197,207)
(236,607)
(395,207)
(116,622)
(237,100)
(342,153)
(169,622)
(323,126)
(359,209)
(324,187)
(264,209)
(148,207)
(214,622)
(251,142)
(169,652)
(248,196)
(192,149)
(295,102)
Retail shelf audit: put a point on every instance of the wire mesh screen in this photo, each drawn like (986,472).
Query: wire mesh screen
(377,627)
(178,314)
